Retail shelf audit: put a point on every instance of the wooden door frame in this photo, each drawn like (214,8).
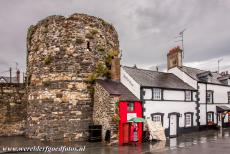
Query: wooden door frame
(177,123)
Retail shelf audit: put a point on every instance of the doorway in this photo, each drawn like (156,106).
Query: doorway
(126,133)
(173,125)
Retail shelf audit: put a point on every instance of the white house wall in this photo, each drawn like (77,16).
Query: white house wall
(202,92)
(203,114)
(219,98)
(220,93)
(173,95)
(130,83)
(167,107)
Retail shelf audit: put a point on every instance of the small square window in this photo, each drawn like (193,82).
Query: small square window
(130,107)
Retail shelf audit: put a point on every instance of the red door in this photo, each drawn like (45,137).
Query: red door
(125,133)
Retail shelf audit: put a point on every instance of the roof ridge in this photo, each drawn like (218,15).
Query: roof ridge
(194,68)
(147,70)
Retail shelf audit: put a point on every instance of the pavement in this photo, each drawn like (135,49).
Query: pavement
(204,142)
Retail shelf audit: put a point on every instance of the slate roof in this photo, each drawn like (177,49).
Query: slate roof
(117,88)
(148,78)
(4,79)
(194,73)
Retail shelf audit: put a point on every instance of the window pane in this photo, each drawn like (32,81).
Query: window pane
(228,97)
(210,118)
(188,95)
(147,93)
(130,106)
(156,94)
(188,120)
(157,118)
(209,97)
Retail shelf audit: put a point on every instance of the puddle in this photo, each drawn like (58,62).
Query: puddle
(186,140)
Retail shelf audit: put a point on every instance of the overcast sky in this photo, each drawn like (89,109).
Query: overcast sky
(146,28)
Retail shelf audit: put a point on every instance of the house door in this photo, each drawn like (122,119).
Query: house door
(173,125)
(126,133)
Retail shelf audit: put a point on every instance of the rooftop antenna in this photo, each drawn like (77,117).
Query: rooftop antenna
(219,60)
(16,63)
(181,39)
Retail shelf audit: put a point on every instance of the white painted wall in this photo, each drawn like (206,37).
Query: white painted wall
(173,95)
(203,114)
(202,91)
(220,94)
(130,83)
(183,76)
(167,107)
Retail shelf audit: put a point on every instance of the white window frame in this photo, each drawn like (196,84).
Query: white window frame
(157,94)
(209,96)
(188,119)
(188,95)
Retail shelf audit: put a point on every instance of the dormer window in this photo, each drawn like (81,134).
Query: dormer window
(205,76)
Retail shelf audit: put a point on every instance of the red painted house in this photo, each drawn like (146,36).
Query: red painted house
(112,95)
(127,111)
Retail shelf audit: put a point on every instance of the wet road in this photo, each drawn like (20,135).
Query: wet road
(209,142)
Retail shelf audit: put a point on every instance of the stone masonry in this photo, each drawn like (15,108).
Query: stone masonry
(62,55)
(104,111)
(13,103)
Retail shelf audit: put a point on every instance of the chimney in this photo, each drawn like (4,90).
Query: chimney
(115,69)
(174,57)
(18,76)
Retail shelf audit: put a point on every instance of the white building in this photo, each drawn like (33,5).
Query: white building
(213,91)
(165,98)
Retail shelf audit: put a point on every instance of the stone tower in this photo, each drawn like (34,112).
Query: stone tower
(174,58)
(63,54)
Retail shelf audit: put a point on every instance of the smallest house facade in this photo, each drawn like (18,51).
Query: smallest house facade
(165,97)
(114,105)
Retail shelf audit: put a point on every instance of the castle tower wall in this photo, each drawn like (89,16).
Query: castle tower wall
(62,56)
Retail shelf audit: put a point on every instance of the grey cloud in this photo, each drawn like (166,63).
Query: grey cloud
(146,28)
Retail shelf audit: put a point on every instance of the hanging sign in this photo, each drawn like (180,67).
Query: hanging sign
(131,116)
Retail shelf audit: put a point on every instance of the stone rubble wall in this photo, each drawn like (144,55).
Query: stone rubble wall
(13,105)
(62,54)
(103,111)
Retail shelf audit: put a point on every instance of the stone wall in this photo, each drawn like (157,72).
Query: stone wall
(13,103)
(62,56)
(104,111)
